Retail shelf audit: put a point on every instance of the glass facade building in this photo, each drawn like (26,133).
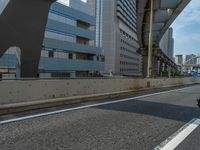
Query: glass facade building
(167,43)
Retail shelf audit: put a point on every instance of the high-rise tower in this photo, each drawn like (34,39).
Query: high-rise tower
(117,35)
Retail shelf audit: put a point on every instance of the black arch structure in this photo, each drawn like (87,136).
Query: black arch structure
(22,24)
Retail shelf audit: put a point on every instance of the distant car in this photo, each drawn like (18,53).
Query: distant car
(196,75)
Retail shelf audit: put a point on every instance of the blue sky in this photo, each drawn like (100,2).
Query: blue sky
(187,30)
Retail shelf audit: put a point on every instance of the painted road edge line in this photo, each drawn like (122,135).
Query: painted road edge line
(178,137)
(84,107)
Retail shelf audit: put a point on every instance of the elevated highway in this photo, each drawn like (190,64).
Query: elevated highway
(189,65)
(154,18)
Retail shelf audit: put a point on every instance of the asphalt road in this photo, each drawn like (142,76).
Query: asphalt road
(138,124)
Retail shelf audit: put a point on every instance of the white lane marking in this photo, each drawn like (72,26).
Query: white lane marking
(87,106)
(176,139)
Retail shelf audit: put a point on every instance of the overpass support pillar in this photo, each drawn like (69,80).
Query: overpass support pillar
(156,63)
(144,53)
(144,65)
(150,46)
(155,66)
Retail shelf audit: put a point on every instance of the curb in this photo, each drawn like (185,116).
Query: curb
(40,104)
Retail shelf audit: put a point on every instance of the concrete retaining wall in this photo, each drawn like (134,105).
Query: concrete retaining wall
(26,91)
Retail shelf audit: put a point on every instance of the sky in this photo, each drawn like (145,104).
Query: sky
(187,30)
(66,2)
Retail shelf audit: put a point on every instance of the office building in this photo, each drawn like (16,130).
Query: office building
(167,43)
(179,59)
(117,35)
(187,59)
(191,59)
(198,60)
(69,45)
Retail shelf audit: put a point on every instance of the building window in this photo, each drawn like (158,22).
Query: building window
(70,56)
(51,54)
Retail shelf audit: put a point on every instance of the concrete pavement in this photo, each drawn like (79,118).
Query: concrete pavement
(139,124)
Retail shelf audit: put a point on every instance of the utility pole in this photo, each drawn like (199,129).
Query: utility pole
(149,66)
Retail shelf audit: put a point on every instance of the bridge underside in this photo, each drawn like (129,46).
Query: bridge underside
(164,13)
(160,63)
(22,24)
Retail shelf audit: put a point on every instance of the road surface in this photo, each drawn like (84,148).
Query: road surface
(145,122)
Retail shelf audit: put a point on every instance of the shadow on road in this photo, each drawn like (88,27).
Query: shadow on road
(162,110)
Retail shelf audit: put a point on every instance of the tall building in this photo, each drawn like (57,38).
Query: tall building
(69,45)
(191,59)
(167,43)
(117,35)
(96,7)
(187,59)
(179,59)
(198,60)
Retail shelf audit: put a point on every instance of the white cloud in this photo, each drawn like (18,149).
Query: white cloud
(182,38)
(196,37)
(186,29)
(64,2)
(189,16)
(85,1)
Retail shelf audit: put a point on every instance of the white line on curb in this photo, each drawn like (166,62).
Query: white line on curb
(87,106)
(176,139)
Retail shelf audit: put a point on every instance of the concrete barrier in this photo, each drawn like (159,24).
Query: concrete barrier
(28,91)
(19,96)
